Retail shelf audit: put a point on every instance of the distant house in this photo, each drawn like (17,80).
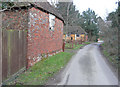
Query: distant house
(44,27)
(74,33)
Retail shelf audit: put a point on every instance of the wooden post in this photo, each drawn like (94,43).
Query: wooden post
(72,44)
(63,46)
(0,48)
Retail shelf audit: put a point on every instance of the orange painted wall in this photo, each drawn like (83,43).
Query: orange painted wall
(82,36)
(73,36)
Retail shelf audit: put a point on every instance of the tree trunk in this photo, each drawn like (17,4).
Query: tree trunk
(90,36)
(67,18)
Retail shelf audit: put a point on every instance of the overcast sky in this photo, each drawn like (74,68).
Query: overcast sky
(101,7)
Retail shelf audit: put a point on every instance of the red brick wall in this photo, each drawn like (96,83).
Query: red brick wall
(42,41)
(15,19)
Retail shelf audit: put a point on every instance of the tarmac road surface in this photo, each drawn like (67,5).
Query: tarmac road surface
(87,67)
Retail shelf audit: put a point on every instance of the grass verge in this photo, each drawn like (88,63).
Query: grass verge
(111,58)
(43,70)
(86,43)
(78,46)
(74,46)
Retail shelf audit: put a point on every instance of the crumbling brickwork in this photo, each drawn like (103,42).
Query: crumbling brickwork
(16,19)
(43,42)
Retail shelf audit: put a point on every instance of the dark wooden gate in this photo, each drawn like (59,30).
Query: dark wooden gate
(14,44)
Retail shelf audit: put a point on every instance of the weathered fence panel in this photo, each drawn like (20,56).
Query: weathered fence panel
(14,52)
(4,55)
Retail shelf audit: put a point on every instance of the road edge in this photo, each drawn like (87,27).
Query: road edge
(113,68)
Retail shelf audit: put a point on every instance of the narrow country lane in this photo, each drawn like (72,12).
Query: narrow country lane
(87,67)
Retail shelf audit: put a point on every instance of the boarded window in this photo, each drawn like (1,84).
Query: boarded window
(51,22)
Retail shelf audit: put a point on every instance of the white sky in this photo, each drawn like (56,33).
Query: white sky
(101,7)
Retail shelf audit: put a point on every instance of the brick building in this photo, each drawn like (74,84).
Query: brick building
(44,27)
(45,32)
